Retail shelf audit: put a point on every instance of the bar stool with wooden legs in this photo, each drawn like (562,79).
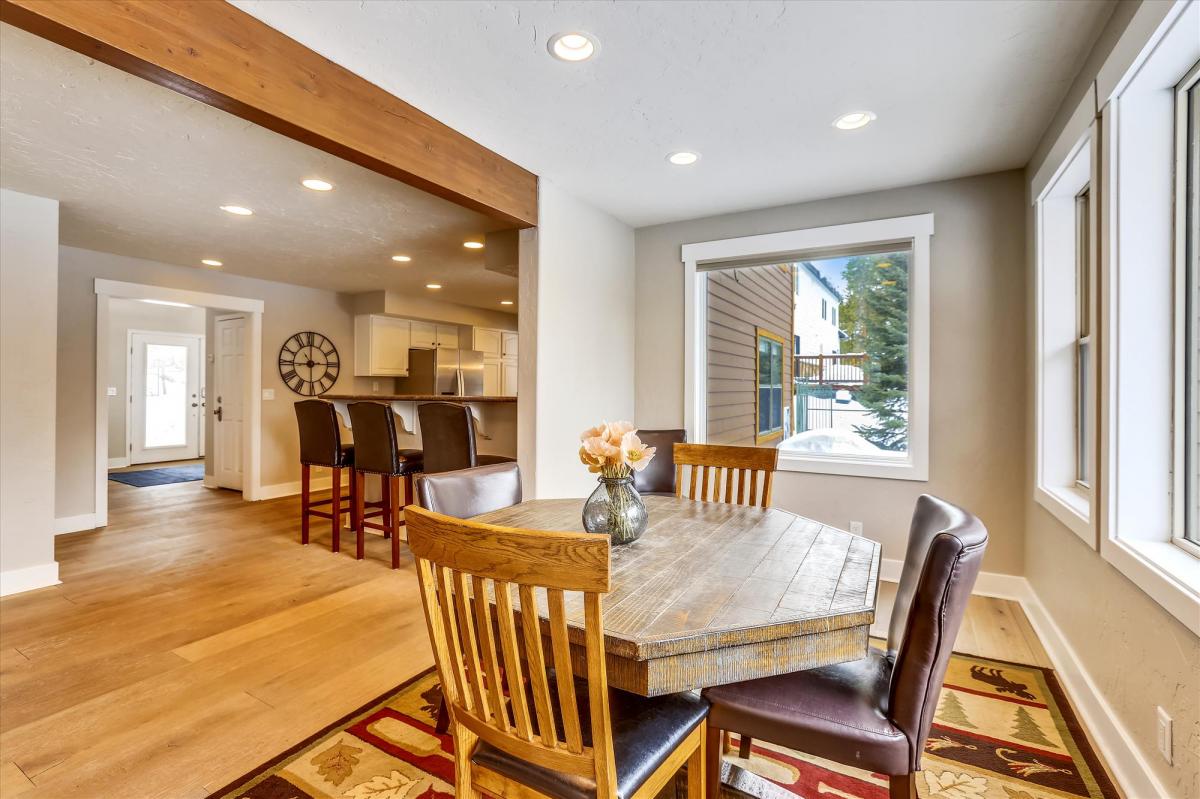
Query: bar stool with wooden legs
(377,452)
(321,445)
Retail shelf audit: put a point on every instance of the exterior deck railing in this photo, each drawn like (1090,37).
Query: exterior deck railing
(841,369)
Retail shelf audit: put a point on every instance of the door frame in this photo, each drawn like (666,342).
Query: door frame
(107,290)
(201,348)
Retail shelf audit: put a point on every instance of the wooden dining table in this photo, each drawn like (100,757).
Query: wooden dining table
(714,593)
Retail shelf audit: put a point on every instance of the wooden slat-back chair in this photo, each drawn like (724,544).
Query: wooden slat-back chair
(483,644)
(718,473)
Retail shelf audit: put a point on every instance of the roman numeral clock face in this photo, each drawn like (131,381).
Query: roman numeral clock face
(309,364)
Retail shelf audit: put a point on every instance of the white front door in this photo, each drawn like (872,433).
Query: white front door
(226,400)
(165,397)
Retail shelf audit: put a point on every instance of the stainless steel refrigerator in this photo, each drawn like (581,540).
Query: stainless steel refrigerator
(449,372)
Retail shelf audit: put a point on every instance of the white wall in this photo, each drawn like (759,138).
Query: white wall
(817,335)
(585,334)
(28,340)
(123,316)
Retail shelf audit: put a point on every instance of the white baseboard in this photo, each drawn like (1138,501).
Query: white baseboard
(1002,586)
(73,524)
(14,581)
(118,463)
(277,490)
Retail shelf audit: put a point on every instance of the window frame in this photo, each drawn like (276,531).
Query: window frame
(761,437)
(914,232)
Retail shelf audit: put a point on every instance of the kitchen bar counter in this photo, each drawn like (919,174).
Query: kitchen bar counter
(495,417)
(411,398)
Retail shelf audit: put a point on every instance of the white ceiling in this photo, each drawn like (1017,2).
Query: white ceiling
(141,171)
(960,88)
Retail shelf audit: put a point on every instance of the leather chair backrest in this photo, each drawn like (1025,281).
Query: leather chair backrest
(659,476)
(375,447)
(945,551)
(447,436)
(320,434)
(470,492)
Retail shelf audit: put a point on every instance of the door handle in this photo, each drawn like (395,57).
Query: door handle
(195,405)
(217,413)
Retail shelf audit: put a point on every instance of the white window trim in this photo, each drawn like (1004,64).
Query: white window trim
(1137,226)
(1055,485)
(919,230)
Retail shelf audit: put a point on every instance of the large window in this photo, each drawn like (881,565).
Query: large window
(1085,421)
(848,396)
(1188,303)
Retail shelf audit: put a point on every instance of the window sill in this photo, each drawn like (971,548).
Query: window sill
(1071,506)
(1169,574)
(901,469)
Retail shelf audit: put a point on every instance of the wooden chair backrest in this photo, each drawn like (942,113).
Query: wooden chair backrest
(469,573)
(726,474)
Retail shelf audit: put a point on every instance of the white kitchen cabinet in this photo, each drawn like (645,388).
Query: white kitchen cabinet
(487,341)
(508,347)
(429,335)
(447,336)
(381,346)
(492,378)
(508,378)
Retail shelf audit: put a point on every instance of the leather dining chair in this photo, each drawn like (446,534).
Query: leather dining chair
(873,713)
(377,451)
(658,478)
(448,438)
(321,445)
(539,732)
(463,494)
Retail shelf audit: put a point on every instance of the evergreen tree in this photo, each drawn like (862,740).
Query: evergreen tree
(1025,728)
(874,315)
(952,711)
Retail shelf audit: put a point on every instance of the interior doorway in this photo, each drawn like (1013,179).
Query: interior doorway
(229,357)
(166,394)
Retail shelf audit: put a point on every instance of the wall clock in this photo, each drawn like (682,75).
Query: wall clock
(309,364)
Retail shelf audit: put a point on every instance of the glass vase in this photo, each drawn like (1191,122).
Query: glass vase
(616,509)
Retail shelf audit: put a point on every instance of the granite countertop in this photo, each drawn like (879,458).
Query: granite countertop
(412,398)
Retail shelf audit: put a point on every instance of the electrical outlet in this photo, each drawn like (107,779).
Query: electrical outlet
(375,386)
(112,391)
(1165,743)
(856,528)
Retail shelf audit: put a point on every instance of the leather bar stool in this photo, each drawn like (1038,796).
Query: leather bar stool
(377,452)
(448,436)
(658,478)
(321,445)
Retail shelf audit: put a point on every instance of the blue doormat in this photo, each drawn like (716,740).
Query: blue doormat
(160,477)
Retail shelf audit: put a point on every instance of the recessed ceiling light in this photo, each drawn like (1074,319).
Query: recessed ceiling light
(433,285)
(403,259)
(316,184)
(169,302)
(574,46)
(683,158)
(211,262)
(236,209)
(473,245)
(854,120)
(506,302)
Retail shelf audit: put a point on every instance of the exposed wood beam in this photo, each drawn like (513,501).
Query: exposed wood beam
(220,55)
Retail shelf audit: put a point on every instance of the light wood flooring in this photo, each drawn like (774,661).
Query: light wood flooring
(194,638)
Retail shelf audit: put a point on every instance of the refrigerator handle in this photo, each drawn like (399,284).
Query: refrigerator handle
(458,373)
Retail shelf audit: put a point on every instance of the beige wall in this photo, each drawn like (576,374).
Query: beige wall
(28,279)
(1138,655)
(417,307)
(977,385)
(123,316)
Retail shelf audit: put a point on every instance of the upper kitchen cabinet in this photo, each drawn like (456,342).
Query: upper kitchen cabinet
(381,346)
(487,341)
(508,344)
(430,335)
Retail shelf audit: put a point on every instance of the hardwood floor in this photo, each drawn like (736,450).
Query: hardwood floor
(194,638)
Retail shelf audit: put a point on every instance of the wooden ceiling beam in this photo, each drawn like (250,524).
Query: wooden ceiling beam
(222,56)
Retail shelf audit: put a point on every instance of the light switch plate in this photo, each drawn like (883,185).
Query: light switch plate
(268,393)
(112,391)
(856,528)
(1165,743)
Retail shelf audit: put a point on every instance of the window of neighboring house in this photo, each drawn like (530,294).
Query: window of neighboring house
(769,379)
(850,398)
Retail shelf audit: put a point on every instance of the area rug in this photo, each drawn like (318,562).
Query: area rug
(1001,731)
(160,477)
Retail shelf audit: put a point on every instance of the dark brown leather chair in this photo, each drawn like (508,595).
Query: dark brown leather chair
(658,478)
(377,451)
(873,713)
(321,445)
(470,492)
(448,438)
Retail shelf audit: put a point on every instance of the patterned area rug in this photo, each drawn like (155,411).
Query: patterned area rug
(1001,731)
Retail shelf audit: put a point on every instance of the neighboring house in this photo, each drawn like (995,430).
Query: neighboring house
(750,312)
(815,330)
